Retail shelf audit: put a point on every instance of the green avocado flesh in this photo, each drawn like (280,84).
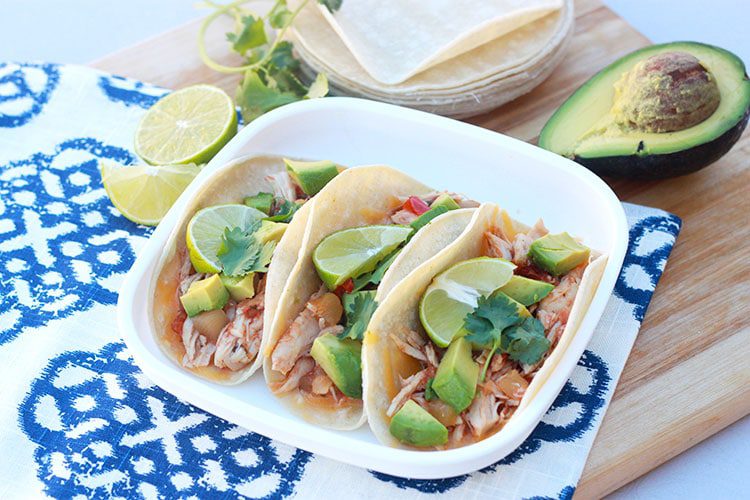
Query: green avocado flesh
(442,204)
(525,290)
(456,378)
(239,287)
(311,176)
(586,128)
(341,360)
(558,253)
(205,295)
(414,425)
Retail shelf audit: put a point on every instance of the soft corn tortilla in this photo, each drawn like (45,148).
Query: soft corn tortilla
(352,199)
(514,53)
(383,363)
(397,39)
(231,184)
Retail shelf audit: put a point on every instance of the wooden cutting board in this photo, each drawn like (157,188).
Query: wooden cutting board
(688,375)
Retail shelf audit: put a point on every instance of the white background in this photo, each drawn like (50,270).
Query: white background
(78,31)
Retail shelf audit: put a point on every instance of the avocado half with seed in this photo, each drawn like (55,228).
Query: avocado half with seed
(662,111)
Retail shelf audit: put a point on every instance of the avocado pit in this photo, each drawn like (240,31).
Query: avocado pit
(667,92)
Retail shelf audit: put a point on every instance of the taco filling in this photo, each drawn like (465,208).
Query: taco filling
(319,355)
(490,323)
(222,272)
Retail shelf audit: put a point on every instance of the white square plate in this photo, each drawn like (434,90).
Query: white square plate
(446,154)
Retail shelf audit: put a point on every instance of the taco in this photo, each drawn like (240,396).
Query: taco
(220,277)
(465,341)
(366,231)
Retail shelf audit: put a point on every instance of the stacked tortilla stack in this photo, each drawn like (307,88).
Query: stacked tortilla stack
(451,57)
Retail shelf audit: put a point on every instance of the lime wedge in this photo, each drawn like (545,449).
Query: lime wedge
(187,126)
(453,294)
(206,228)
(143,193)
(351,252)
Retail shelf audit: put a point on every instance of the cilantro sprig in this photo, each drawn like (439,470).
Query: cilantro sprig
(359,308)
(269,68)
(497,324)
(241,253)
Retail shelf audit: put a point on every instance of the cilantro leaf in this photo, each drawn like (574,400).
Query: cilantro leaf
(241,253)
(252,35)
(486,323)
(256,97)
(280,15)
(359,308)
(525,342)
(283,210)
(260,201)
(429,392)
(492,314)
(331,5)
(375,276)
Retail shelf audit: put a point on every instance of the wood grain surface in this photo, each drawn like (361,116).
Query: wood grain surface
(688,375)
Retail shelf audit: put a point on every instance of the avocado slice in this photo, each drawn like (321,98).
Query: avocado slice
(341,359)
(445,200)
(239,287)
(414,425)
(205,295)
(260,201)
(442,204)
(271,231)
(311,176)
(525,290)
(456,378)
(588,126)
(558,253)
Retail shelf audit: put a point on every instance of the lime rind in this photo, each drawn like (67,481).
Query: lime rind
(206,228)
(187,126)
(352,252)
(143,193)
(454,293)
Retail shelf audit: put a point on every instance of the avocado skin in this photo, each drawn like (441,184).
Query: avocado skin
(662,166)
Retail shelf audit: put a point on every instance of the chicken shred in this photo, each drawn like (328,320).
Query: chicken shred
(302,367)
(198,350)
(298,339)
(408,387)
(239,341)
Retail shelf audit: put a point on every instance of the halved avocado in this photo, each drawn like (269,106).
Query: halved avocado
(589,129)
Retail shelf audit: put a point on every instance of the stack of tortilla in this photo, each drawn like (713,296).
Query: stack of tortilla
(451,57)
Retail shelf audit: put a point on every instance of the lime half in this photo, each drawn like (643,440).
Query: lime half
(206,228)
(351,252)
(187,126)
(454,293)
(143,193)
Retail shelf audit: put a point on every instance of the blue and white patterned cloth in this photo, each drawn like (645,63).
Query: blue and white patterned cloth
(79,419)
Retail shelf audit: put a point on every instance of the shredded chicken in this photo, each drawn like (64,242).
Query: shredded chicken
(403,217)
(482,415)
(282,185)
(457,434)
(198,350)
(498,246)
(554,309)
(239,341)
(302,367)
(408,387)
(298,339)
(321,382)
(522,242)
(410,343)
